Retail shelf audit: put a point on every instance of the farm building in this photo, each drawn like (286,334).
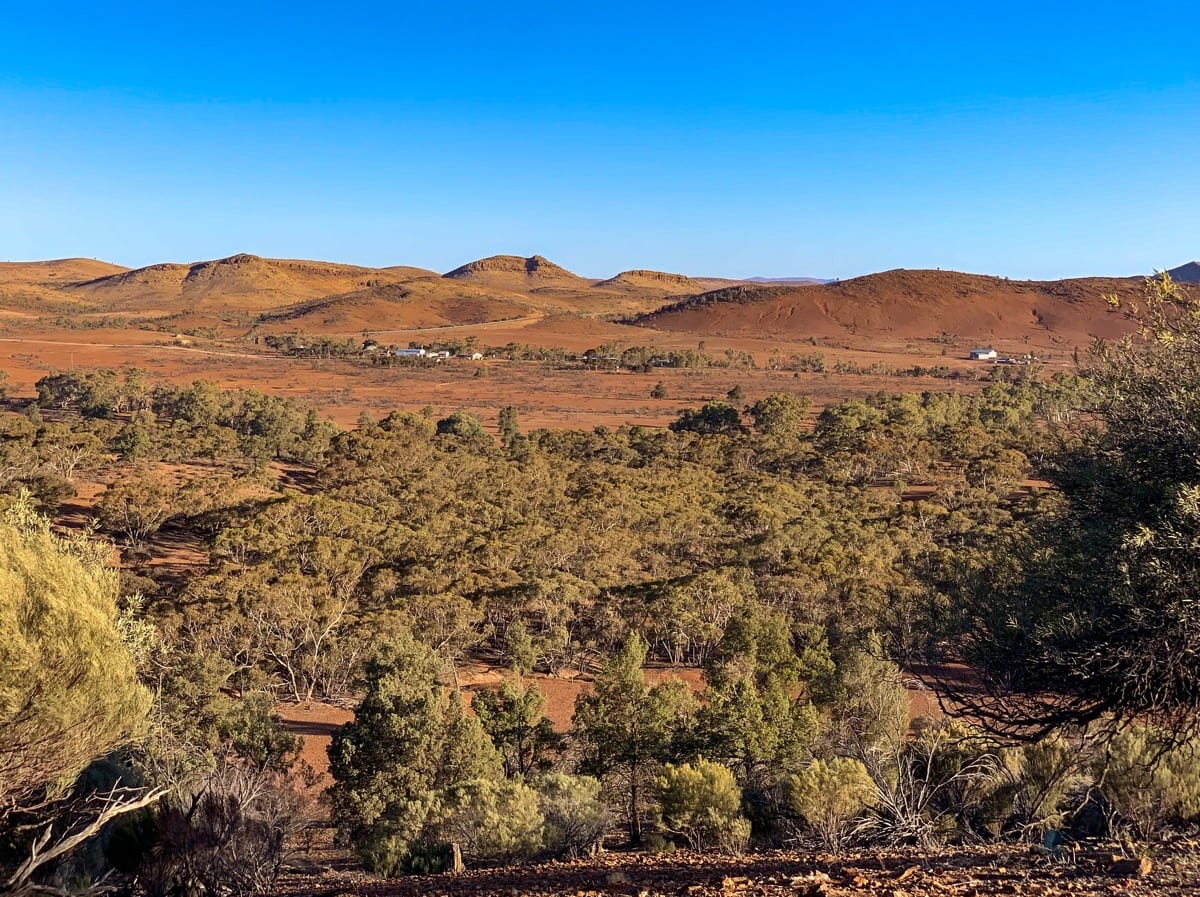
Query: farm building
(983,354)
(409,353)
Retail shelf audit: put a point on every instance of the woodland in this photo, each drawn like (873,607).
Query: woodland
(1029,549)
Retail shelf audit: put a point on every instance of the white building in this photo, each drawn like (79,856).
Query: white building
(983,354)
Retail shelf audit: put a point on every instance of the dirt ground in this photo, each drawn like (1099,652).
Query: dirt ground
(543,396)
(965,871)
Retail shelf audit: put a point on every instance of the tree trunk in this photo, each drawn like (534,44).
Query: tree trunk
(635,815)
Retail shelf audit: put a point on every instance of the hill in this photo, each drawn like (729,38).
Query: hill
(906,304)
(56,271)
(641,280)
(245,282)
(33,287)
(514,272)
(1189,273)
(416,304)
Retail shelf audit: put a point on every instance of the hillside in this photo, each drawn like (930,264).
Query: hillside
(56,271)
(416,304)
(1189,273)
(641,280)
(514,272)
(243,281)
(905,304)
(871,313)
(39,286)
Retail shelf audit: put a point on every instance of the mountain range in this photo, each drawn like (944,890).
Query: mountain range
(324,297)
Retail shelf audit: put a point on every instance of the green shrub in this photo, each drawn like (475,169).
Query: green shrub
(398,764)
(576,817)
(828,795)
(1148,782)
(493,821)
(702,803)
(1044,775)
(867,704)
(429,858)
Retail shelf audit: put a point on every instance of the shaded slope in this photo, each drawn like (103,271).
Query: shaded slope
(1189,273)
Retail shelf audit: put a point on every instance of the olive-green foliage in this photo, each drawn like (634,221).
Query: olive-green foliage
(828,795)
(406,749)
(579,537)
(69,690)
(713,417)
(512,716)
(780,414)
(702,802)
(751,718)
(867,704)
(461,424)
(1044,776)
(625,728)
(492,821)
(1149,781)
(136,506)
(576,817)
(510,429)
(1093,610)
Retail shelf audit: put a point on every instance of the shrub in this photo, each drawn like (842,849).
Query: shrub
(702,803)
(828,795)
(1044,775)
(69,690)
(713,418)
(576,817)
(493,821)
(461,424)
(230,838)
(927,787)
(397,764)
(1147,781)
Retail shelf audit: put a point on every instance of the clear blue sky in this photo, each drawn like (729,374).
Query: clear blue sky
(1027,139)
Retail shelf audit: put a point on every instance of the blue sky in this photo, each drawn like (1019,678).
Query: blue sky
(1030,140)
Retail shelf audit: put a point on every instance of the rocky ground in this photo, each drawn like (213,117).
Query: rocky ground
(1168,869)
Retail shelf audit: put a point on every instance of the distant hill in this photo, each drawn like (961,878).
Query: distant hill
(658,281)
(517,272)
(56,271)
(789,279)
(419,303)
(905,304)
(1189,273)
(239,281)
(316,296)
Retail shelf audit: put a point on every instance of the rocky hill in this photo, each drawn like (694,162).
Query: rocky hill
(906,304)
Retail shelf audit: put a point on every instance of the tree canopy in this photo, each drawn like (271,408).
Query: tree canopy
(1093,610)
